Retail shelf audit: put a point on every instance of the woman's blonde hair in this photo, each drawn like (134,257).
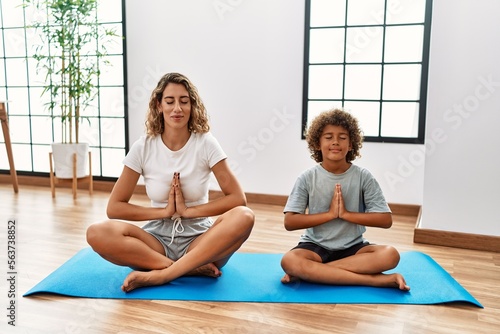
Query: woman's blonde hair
(198,120)
(337,117)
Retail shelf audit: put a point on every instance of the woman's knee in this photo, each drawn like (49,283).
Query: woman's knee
(98,232)
(243,216)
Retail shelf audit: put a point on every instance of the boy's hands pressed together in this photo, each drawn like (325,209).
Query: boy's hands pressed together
(337,207)
(342,209)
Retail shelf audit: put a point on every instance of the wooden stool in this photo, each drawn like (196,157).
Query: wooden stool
(74,181)
(8,144)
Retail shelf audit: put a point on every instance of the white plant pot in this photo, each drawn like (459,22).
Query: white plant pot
(63,159)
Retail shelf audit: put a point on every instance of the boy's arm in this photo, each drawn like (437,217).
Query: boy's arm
(297,221)
(373,219)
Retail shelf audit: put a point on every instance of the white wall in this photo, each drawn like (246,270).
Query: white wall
(245,57)
(462,179)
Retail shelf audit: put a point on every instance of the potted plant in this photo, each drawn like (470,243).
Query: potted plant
(70,55)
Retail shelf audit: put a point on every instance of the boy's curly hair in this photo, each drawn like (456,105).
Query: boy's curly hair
(198,120)
(336,117)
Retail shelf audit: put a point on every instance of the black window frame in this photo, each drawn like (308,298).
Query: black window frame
(420,139)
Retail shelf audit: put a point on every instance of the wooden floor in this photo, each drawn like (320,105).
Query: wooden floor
(50,231)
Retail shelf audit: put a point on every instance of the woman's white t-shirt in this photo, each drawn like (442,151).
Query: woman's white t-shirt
(151,158)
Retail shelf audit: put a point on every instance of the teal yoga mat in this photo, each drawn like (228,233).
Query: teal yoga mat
(253,277)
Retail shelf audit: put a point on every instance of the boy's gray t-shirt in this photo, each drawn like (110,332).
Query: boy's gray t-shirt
(314,190)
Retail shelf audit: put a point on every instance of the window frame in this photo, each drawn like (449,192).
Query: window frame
(100,147)
(422,101)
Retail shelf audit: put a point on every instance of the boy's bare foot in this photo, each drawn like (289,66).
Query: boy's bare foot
(401,283)
(289,279)
(137,279)
(208,269)
(398,281)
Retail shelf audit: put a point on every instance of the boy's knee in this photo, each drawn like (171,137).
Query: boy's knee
(392,255)
(288,263)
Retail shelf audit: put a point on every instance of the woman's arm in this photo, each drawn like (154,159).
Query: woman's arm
(120,208)
(233,195)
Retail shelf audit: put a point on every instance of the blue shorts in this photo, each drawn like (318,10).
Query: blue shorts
(331,255)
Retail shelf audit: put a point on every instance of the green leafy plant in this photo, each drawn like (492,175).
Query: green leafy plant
(71,56)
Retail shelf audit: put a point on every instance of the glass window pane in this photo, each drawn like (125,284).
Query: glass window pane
(112,101)
(327,13)
(402,82)
(36,77)
(112,161)
(317,107)
(91,109)
(113,132)
(3,95)
(89,131)
(12,14)
(404,44)
(19,129)
(111,74)
(38,102)
(362,82)
(368,115)
(363,12)
(41,162)
(326,45)
(22,157)
(109,11)
(325,81)
(41,128)
(4,161)
(400,119)
(2,72)
(364,44)
(18,101)
(16,72)
(405,11)
(96,160)
(14,43)
(115,43)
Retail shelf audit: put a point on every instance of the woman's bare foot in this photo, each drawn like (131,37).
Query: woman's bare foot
(137,279)
(208,269)
(289,279)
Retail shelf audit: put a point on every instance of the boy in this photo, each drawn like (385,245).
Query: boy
(341,200)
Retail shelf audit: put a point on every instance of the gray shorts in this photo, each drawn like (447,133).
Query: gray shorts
(189,229)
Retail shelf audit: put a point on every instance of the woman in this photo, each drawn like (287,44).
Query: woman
(180,237)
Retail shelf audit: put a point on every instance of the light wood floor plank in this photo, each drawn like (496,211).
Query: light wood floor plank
(50,231)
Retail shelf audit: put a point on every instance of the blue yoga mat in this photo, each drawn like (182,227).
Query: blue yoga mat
(253,277)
